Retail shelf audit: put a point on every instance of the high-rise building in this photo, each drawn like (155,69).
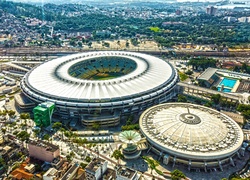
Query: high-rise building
(43,113)
(211,10)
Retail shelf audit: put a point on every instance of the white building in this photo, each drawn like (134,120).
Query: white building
(190,134)
(125,173)
(1,137)
(231,19)
(51,174)
(95,169)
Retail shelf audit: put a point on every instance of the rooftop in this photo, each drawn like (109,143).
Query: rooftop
(70,171)
(129,137)
(208,73)
(48,146)
(191,130)
(51,172)
(126,172)
(95,164)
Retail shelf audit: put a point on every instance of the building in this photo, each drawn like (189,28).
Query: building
(178,12)
(100,87)
(211,10)
(1,137)
(43,114)
(43,150)
(193,135)
(208,77)
(21,173)
(225,80)
(125,173)
(96,169)
(231,19)
(243,19)
(51,174)
(30,168)
(71,173)
(130,148)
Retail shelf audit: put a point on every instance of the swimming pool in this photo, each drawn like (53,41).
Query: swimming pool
(228,84)
(224,89)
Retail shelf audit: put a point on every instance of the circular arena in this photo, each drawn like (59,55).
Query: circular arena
(101,86)
(193,135)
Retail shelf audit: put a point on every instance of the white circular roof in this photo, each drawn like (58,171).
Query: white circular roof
(52,77)
(129,137)
(191,131)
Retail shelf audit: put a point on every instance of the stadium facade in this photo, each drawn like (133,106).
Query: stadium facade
(101,86)
(193,135)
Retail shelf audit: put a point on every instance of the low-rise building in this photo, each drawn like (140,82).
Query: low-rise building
(96,169)
(125,173)
(1,137)
(30,168)
(43,150)
(51,174)
(71,174)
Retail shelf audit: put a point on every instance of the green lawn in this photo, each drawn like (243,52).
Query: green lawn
(183,76)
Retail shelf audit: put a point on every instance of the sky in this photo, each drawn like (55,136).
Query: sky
(82,1)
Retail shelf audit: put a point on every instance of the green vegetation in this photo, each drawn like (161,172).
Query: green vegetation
(88,159)
(202,62)
(24,116)
(152,164)
(130,127)
(177,175)
(200,29)
(245,110)
(83,165)
(183,76)
(46,137)
(57,125)
(117,154)
(155,29)
(23,135)
(189,72)
(182,98)
(96,126)
(216,98)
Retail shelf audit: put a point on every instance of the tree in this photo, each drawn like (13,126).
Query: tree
(117,155)
(3,130)
(177,175)
(88,159)
(182,98)
(96,126)
(216,98)
(83,165)
(46,137)
(24,116)
(23,135)
(152,164)
(57,125)
(11,113)
(127,44)
(79,44)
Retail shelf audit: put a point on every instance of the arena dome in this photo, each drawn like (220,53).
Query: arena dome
(106,83)
(191,134)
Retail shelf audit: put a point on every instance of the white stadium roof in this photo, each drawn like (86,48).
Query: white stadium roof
(53,80)
(191,131)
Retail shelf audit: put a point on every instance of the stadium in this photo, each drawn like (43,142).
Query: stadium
(192,135)
(100,87)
